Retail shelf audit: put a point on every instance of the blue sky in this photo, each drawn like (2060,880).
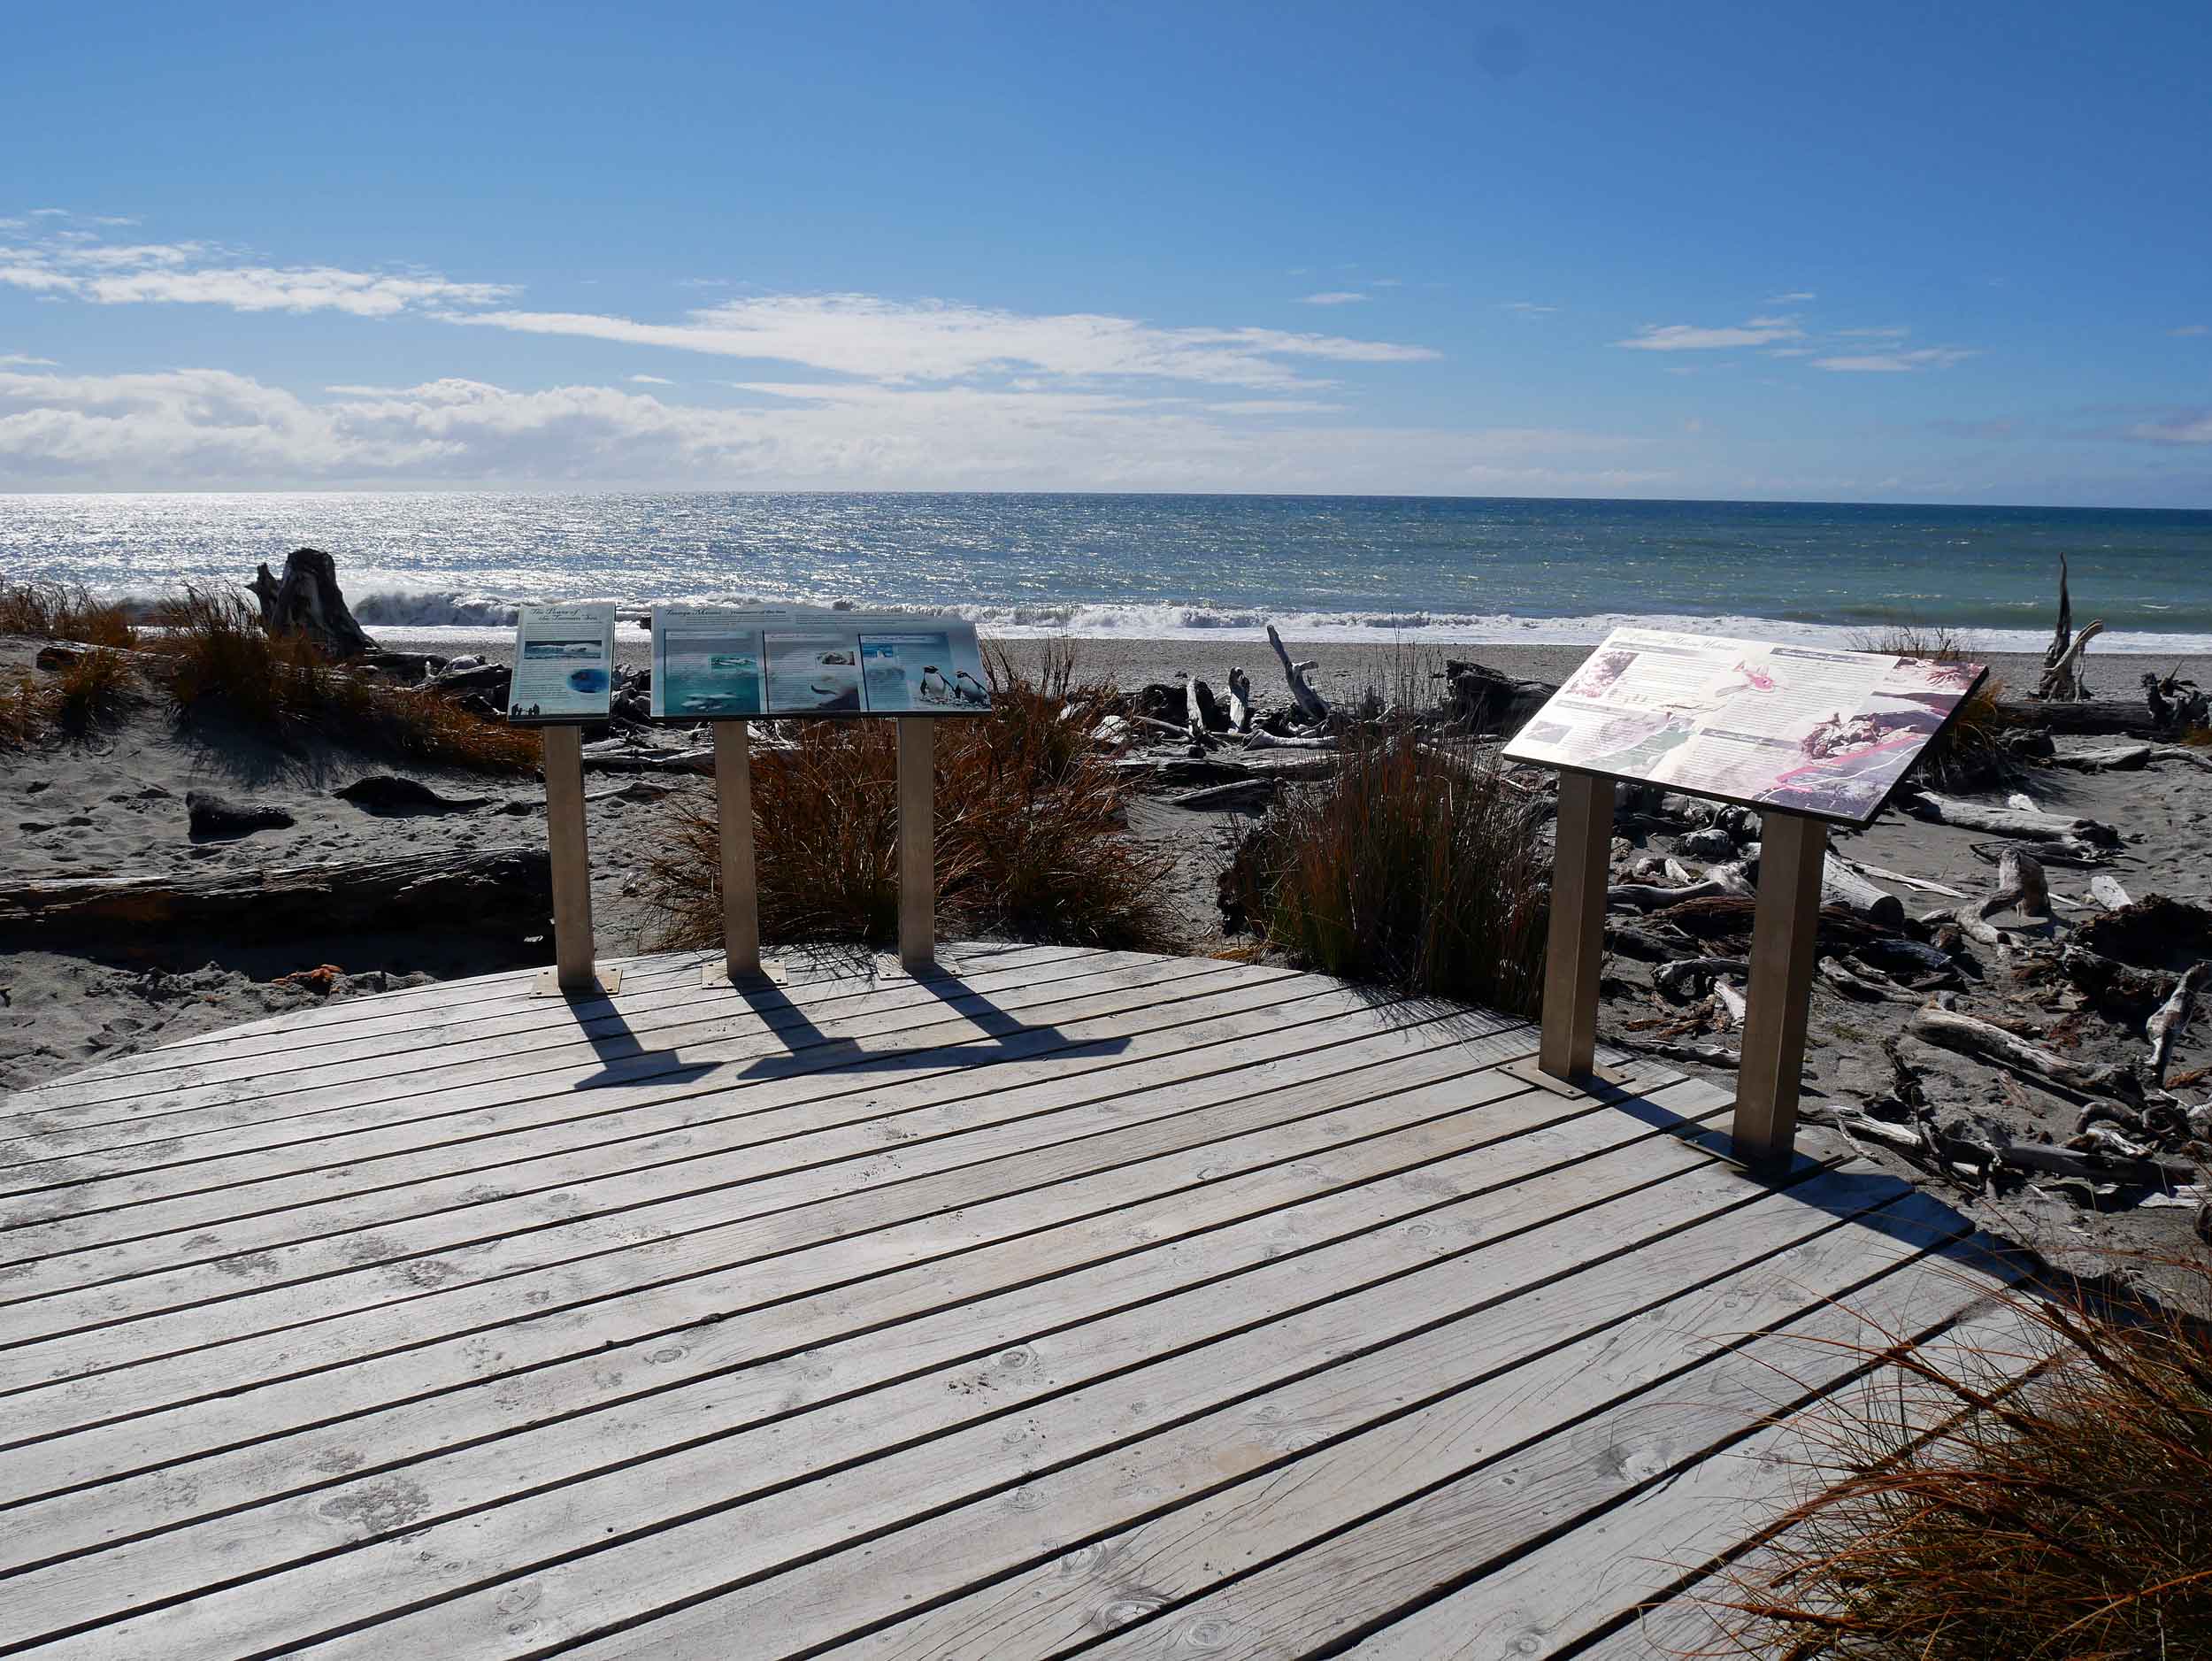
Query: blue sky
(1876,252)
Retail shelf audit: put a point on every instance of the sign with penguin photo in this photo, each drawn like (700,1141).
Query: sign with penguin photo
(713,662)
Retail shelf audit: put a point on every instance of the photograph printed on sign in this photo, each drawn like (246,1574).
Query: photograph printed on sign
(706,666)
(921,671)
(816,672)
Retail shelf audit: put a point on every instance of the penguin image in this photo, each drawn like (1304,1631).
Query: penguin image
(934,687)
(970,688)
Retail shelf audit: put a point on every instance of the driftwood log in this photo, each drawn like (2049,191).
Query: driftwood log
(1842,884)
(1239,700)
(506,894)
(1964,1035)
(2164,1028)
(1311,704)
(2029,826)
(2063,681)
(1480,699)
(2113,988)
(306,601)
(2127,718)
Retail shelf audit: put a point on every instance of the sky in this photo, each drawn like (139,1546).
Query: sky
(1881,252)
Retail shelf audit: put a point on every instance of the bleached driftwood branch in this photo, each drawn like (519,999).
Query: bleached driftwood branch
(1310,704)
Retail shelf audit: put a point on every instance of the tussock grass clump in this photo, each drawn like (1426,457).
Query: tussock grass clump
(2068,1518)
(23,706)
(217,659)
(1409,868)
(1971,751)
(97,690)
(55,611)
(1029,840)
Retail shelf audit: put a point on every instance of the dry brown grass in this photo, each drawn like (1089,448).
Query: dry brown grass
(1030,841)
(54,611)
(216,659)
(2068,1518)
(1408,868)
(97,690)
(1971,750)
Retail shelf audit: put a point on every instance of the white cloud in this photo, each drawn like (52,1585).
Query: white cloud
(651,380)
(1801,297)
(213,428)
(1529,308)
(1790,351)
(24,360)
(1274,406)
(1897,363)
(66,263)
(1690,337)
(2190,428)
(1387,282)
(2192,328)
(1334,296)
(1894,332)
(892,341)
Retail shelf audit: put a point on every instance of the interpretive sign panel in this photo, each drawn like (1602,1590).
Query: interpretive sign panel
(1803,728)
(715,663)
(564,664)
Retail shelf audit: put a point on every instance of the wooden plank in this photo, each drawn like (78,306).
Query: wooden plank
(918,860)
(1084,1348)
(1689,1499)
(566,841)
(506,990)
(232,1300)
(1291,1184)
(648,999)
(1256,1031)
(1785,924)
(65,1395)
(1374,1343)
(1575,949)
(1569,1347)
(908,1018)
(734,806)
(1738,1494)
(246,1087)
(345,1261)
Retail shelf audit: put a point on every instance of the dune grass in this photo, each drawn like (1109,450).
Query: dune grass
(1410,868)
(55,611)
(96,691)
(216,660)
(1029,840)
(1971,751)
(2067,1517)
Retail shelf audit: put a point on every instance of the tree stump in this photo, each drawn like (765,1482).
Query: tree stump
(306,601)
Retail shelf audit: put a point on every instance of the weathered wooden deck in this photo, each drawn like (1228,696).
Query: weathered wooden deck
(1164,1306)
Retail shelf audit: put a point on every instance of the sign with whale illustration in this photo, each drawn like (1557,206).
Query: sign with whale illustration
(1815,731)
(716,664)
(564,664)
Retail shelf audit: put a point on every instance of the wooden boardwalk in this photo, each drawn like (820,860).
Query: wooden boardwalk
(1144,1306)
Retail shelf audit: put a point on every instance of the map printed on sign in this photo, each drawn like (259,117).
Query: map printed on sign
(564,664)
(1805,728)
(714,663)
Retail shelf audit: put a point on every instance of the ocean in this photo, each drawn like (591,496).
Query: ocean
(1430,570)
